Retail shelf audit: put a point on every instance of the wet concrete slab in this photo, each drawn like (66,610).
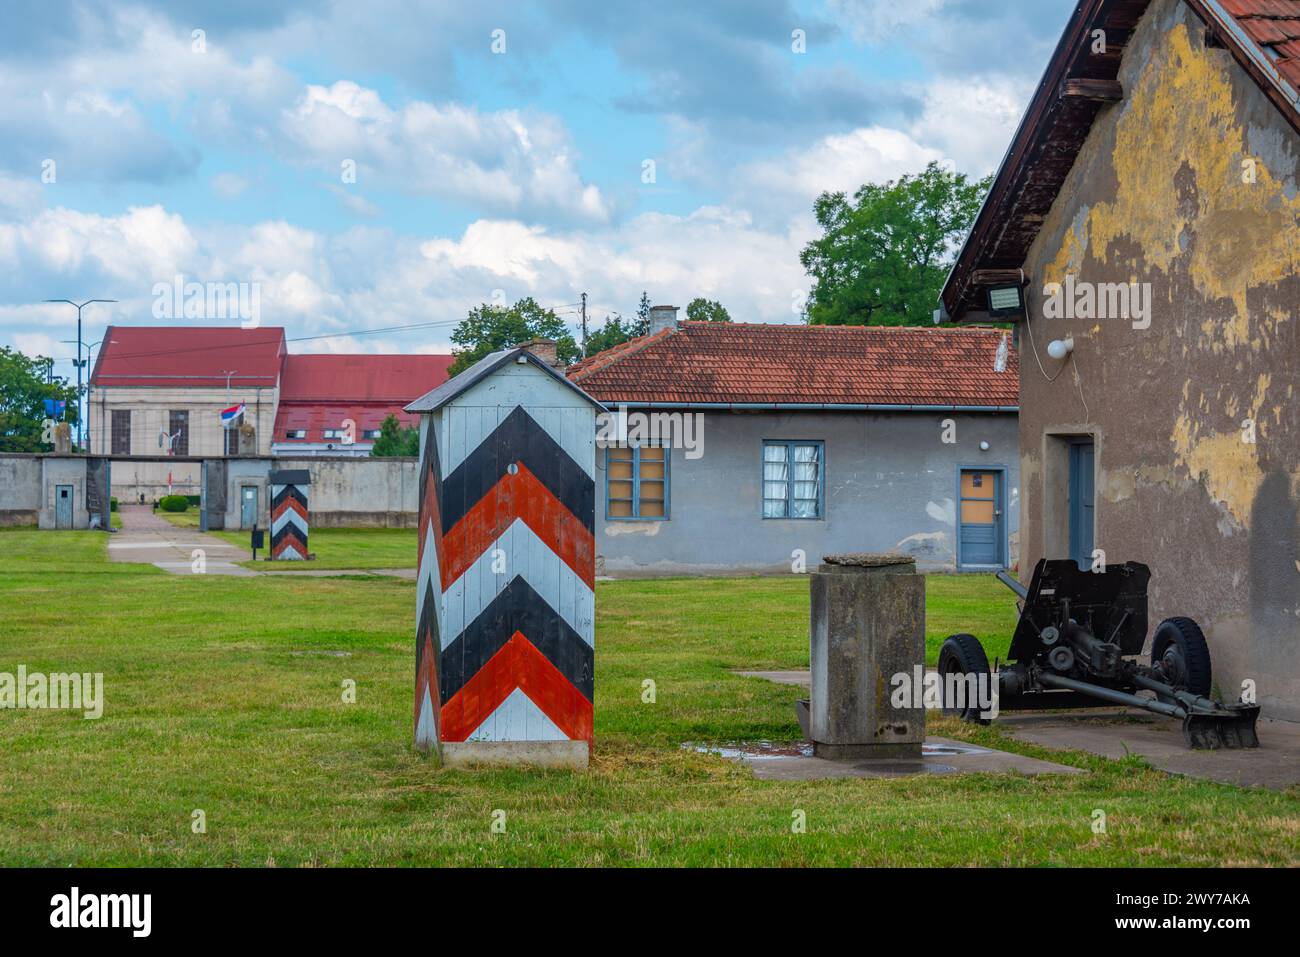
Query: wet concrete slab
(1114,733)
(794,761)
(1117,732)
(801,678)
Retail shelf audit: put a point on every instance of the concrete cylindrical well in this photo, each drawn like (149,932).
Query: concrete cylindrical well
(867,625)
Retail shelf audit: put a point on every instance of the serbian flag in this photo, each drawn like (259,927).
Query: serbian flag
(231,415)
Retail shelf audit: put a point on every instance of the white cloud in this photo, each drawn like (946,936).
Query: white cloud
(871,21)
(972,119)
(506,161)
(838,163)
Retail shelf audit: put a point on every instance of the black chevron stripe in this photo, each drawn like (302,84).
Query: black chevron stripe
(428,623)
(289,530)
(430,467)
(286,492)
(518,439)
(517,608)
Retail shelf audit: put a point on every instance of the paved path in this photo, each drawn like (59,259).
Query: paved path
(1113,733)
(1159,741)
(151,539)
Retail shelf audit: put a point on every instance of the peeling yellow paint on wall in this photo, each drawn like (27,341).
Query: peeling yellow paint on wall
(1245,235)
(1228,464)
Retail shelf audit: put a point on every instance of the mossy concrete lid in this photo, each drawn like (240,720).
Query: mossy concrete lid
(870,559)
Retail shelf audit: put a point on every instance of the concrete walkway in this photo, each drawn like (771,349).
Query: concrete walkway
(1117,732)
(150,539)
(1159,741)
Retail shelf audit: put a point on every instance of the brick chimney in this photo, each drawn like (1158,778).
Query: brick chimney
(662,317)
(544,349)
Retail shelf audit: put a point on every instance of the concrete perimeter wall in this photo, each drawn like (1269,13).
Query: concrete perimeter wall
(20,489)
(344,492)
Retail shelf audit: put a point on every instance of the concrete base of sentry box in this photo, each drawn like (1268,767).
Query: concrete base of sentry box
(541,754)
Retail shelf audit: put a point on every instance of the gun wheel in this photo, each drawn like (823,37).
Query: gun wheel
(1181,654)
(963,655)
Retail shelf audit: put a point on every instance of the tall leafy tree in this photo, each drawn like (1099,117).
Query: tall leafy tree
(614,332)
(23,391)
(884,254)
(707,310)
(490,328)
(643,315)
(396,441)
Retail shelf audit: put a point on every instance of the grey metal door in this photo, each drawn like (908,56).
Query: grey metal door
(981,517)
(1082,503)
(63,506)
(247,506)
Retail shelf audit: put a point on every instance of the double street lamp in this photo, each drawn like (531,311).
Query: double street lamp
(79,306)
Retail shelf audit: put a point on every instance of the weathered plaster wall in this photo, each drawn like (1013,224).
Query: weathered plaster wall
(891,484)
(1189,184)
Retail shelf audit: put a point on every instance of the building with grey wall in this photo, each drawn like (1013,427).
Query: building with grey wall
(763,448)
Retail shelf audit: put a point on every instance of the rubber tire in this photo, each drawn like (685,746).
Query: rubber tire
(1190,641)
(963,654)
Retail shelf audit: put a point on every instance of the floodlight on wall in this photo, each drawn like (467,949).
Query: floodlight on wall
(1005,301)
(1060,348)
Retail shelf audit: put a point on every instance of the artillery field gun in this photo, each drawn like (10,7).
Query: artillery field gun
(1076,645)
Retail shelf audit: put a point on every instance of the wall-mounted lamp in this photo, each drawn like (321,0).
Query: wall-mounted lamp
(1060,348)
(984,446)
(1006,301)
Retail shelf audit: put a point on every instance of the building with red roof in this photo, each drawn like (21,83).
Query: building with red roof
(161,391)
(744,448)
(335,404)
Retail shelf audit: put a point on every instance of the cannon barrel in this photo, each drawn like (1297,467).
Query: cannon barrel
(1015,586)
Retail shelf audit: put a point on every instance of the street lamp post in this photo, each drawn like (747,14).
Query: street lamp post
(79,306)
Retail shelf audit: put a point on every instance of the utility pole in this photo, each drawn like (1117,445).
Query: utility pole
(584,325)
(79,306)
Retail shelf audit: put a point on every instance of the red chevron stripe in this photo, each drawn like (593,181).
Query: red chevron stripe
(426,676)
(519,496)
(517,665)
(430,517)
(289,537)
(288,503)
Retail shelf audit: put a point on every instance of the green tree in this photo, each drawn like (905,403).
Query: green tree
(883,256)
(395,441)
(707,310)
(490,328)
(614,332)
(642,315)
(23,391)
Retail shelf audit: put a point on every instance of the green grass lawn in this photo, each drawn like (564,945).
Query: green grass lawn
(334,548)
(225,695)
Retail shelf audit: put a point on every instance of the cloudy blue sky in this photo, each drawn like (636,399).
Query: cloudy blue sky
(488,164)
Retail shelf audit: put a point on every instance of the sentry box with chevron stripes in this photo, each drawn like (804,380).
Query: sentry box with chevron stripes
(505,601)
(289,514)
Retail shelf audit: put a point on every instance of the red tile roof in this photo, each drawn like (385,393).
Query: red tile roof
(372,378)
(741,364)
(1274,25)
(189,356)
(319,392)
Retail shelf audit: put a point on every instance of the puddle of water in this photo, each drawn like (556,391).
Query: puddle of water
(769,750)
(754,750)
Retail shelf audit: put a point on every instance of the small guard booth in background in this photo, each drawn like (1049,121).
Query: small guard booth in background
(289,514)
(505,601)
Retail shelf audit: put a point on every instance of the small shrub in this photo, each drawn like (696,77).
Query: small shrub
(174,503)
(112,503)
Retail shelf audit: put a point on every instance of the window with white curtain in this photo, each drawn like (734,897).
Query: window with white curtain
(793,480)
